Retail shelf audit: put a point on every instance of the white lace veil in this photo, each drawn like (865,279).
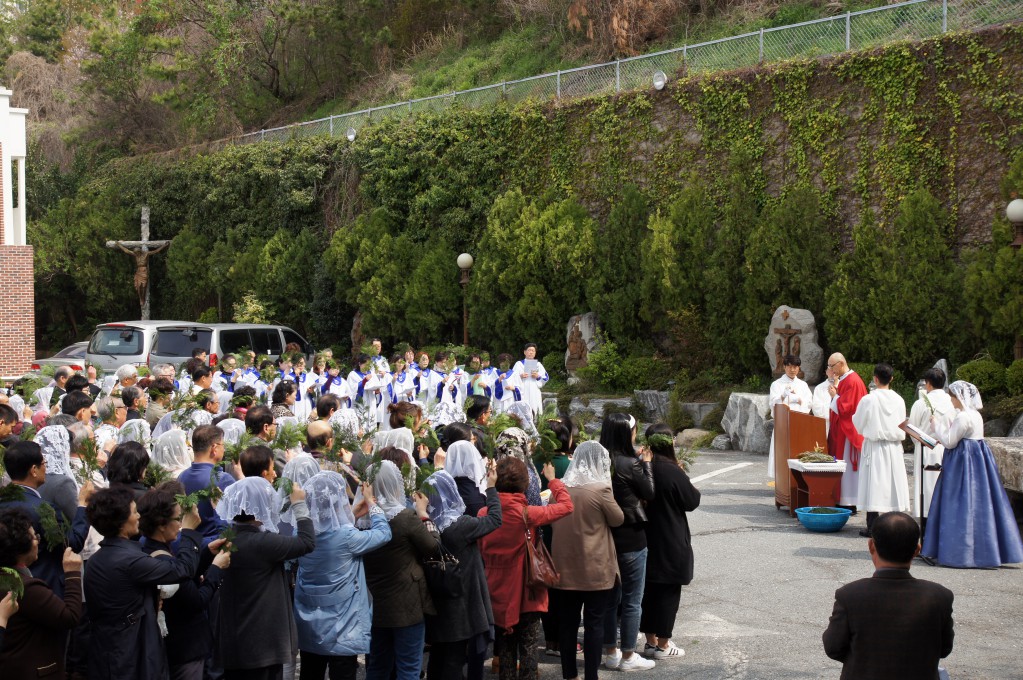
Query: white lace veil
(400,438)
(446,505)
(446,413)
(327,498)
(463,460)
(252,496)
(967,394)
(299,470)
(590,464)
(346,420)
(521,410)
(389,488)
(135,431)
(55,441)
(233,430)
(171,452)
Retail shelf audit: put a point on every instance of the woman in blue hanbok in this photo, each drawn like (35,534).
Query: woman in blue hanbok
(970,522)
(333,614)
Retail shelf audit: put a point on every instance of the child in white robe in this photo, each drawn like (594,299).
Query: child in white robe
(792,391)
(532,379)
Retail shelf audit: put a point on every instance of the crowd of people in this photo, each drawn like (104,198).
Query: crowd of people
(399,521)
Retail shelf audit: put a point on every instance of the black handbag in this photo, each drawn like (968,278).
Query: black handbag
(443,574)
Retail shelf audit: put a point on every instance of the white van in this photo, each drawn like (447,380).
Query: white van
(174,342)
(124,342)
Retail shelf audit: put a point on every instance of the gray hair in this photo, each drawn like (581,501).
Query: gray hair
(126,371)
(62,372)
(160,369)
(61,419)
(79,435)
(107,407)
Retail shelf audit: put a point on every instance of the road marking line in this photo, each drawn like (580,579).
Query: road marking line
(722,471)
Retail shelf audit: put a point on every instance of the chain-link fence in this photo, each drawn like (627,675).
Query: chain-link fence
(914,20)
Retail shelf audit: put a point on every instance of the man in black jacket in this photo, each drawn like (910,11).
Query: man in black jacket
(891,625)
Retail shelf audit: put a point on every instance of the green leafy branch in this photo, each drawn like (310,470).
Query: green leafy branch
(10,581)
(89,455)
(156,474)
(55,527)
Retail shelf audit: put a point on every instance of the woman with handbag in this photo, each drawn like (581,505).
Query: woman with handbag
(585,552)
(464,623)
(516,604)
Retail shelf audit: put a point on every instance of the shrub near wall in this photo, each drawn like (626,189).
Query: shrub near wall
(874,139)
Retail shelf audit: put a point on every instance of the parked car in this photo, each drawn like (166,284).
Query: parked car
(124,342)
(72,355)
(174,342)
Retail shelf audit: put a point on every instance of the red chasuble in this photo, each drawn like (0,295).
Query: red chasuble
(850,390)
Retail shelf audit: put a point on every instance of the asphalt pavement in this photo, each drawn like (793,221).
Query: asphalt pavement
(764,588)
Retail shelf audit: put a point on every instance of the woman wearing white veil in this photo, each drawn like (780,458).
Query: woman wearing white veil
(172,453)
(332,604)
(465,464)
(135,431)
(394,575)
(971,523)
(462,627)
(586,584)
(256,628)
(299,470)
(61,487)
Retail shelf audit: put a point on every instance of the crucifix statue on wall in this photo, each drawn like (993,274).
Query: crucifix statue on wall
(141,251)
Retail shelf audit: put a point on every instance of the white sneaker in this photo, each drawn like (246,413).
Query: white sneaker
(613,661)
(636,662)
(672,651)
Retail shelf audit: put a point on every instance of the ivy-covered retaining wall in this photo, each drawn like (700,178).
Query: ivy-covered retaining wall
(856,186)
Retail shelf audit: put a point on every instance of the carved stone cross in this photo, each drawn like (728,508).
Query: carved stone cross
(140,250)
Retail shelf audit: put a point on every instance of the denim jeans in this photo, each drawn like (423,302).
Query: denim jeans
(396,648)
(629,593)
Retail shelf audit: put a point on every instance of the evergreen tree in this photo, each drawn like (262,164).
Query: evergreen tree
(614,285)
(788,259)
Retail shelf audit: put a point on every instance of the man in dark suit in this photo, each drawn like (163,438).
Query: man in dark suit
(891,625)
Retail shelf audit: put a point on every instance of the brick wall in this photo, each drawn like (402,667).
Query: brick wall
(17,310)
(17,303)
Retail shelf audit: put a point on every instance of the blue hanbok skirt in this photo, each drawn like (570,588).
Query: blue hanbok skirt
(971,522)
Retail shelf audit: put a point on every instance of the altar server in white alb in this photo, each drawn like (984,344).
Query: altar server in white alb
(792,391)
(883,483)
(934,400)
(533,376)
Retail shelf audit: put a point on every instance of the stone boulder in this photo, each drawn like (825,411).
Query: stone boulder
(721,443)
(1017,427)
(747,422)
(794,331)
(1008,454)
(686,438)
(581,338)
(999,427)
(655,404)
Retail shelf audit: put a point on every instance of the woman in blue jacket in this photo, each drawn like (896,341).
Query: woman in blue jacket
(332,606)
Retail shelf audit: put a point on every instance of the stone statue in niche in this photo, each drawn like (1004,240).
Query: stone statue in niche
(794,331)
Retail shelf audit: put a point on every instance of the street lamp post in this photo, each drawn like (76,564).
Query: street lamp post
(1014,211)
(465,264)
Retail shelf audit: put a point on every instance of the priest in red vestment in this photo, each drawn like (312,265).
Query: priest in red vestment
(844,442)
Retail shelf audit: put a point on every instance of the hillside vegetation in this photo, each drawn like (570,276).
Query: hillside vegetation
(133,76)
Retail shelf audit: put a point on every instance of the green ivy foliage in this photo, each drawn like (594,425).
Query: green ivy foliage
(683,217)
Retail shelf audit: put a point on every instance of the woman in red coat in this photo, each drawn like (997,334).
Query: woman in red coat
(516,607)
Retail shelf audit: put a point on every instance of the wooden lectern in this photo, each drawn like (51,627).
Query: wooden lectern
(794,433)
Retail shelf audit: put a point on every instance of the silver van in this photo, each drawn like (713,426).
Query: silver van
(174,342)
(124,342)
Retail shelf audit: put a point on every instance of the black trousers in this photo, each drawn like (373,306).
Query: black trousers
(660,607)
(446,660)
(551,618)
(315,665)
(592,604)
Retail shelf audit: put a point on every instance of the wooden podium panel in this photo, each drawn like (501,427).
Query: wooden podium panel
(794,433)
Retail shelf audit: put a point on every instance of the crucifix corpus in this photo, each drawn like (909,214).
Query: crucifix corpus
(141,251)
